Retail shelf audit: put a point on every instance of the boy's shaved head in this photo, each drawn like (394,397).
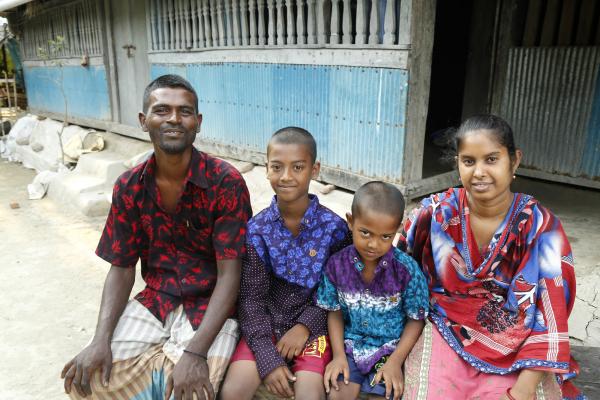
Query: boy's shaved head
(295,135)
(380,197)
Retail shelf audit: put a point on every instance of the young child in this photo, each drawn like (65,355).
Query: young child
(377,299)
(284,341)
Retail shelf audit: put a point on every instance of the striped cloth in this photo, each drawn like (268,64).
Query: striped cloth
(145,352)
(434,371)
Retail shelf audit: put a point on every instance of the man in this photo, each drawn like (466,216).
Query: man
(183,214)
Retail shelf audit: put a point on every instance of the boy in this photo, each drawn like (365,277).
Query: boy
(288,245)
(377,299)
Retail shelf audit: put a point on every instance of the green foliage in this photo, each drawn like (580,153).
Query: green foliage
(55,47)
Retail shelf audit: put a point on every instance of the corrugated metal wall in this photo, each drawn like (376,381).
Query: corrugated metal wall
(591,157)
(356,114)
(548,98)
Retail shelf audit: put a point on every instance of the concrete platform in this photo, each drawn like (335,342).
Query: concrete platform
(589,378)
(88,188)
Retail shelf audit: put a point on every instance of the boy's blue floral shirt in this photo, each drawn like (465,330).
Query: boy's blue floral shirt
(374,313)
(298,260)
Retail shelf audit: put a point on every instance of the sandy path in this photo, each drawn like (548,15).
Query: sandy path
(51,285)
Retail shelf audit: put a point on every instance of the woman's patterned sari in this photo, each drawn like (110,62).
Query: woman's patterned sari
(505,307)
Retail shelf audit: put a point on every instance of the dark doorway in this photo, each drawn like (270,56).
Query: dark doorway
(448,76)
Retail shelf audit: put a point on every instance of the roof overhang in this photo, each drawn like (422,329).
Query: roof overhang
(8,4)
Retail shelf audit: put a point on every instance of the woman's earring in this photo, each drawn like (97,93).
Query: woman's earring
(514,177)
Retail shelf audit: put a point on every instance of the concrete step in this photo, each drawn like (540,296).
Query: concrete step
(83,192)
(88,188)
(105,165)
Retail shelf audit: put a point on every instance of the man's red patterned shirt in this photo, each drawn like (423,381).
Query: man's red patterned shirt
(178,251)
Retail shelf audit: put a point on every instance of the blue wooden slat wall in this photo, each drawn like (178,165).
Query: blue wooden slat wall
(86,90)
(356,114)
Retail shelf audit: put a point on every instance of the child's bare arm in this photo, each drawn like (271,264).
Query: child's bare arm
(335,327)
(339,363)
(391,372)
(410,335)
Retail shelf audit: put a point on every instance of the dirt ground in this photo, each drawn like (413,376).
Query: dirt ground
(51,280)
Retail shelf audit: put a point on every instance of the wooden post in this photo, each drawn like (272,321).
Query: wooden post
(262,39)
(253,27)
(311,23)
(186,16)
(214,23)
(280,24)
(177,19)
(220,23)
(335,38)
(7,89)
(193,11)
(200,24)
(271,32)
(422,23)
(404,22)
(245,33)
(236,23)
(207,23)
(389,26)
(86,30)
(95,27)
(229,23)
(347,23)
(300,23)
(374,28)
(171,25)
(14,82)
(291,23)
(164,25)
(321,34)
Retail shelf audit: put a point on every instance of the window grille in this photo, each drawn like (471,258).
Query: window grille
(176,25)
(78,24)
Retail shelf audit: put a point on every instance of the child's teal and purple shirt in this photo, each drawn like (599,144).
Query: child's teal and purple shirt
(374,313)
(280,274)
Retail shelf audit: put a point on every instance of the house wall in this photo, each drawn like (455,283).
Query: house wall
(86,90)
(546,86)
(339,69)
(590,163)
(357,114)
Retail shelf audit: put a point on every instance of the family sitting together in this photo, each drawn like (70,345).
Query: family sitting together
(471,302)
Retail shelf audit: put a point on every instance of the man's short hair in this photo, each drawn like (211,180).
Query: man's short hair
(168,81)
(380,197)
(295,135)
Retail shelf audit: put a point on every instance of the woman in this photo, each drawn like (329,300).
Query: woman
(500,272)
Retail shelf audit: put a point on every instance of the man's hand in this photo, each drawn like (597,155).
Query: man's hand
(79,370)
(337,366)
(190,376)
(391,374)
(293,342)
(278,382)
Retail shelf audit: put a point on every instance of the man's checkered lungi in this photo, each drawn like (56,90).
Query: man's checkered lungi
(145,352)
